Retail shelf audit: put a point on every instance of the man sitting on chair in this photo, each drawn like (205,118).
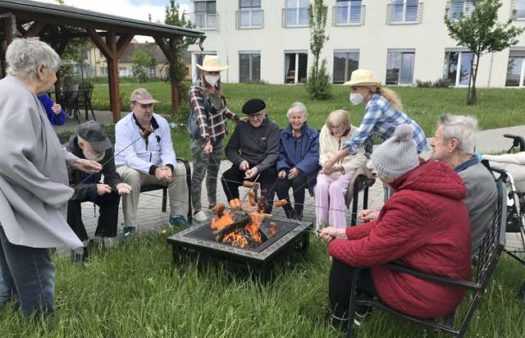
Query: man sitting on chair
(91,142)
(145,155)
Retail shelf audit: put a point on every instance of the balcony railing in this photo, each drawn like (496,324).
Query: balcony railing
(458,8)
(346,14)
(295,17)
(206,21)
(401,14)
(249,18)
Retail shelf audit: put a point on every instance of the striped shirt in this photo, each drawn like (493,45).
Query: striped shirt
(382,119)
(211,119)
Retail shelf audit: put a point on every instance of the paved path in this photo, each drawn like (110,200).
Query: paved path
(151,217)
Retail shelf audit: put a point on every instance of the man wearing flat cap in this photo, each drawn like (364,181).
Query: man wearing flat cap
(145,155)
(253,149)
(90,142)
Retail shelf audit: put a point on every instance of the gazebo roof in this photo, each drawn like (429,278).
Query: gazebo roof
(67,15)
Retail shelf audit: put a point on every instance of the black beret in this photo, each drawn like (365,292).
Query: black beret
(253,106)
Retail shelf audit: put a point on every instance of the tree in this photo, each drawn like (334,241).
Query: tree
(177,70)
(142,61)
(318,83)
(481,33)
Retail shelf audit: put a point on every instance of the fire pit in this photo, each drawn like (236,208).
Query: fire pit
(277,236)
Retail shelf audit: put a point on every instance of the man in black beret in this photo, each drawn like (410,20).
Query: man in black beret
(253,149)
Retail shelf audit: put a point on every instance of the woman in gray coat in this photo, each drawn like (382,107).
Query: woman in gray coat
(33,180)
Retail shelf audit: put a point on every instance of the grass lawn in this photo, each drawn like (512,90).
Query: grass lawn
(133,290)
(496,107)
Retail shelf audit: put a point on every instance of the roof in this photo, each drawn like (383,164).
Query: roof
(72,16)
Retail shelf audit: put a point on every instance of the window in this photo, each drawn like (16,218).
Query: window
(457,8)
(295,67)
(516,69)
(250,14)
(249,67)
(296,13)
(403,11)
(345,62)
(348,12)
(205,14)
(400,66)
(519,7)
(457,67)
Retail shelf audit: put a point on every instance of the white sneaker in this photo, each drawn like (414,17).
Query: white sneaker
(201,216)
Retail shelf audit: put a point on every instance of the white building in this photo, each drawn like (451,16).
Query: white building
(401,41)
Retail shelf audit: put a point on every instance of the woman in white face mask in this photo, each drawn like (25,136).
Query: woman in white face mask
(209,109)
(383,113)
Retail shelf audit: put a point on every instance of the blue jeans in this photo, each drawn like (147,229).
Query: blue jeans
(29,274)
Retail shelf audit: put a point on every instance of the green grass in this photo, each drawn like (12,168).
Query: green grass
(496,108)
(134,290)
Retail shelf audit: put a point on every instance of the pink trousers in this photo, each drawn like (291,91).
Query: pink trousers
(330,208)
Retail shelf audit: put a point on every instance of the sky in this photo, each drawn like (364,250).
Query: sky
(135,9)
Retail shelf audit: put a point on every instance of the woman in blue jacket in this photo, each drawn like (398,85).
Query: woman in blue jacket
(54,111)
(298,161)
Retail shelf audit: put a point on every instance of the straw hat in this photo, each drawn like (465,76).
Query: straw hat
(362,77)
(211,64)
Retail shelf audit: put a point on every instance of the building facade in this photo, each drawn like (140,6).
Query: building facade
(401,41)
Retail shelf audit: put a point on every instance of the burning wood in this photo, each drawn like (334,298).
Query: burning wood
(238,228)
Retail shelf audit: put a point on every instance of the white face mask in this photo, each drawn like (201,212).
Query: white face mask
(212,79)
(356,98)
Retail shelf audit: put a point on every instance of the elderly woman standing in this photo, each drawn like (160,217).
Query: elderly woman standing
(332,182)
(34,188)
(298,161)
(383,113)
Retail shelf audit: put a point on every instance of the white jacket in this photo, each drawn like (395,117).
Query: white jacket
(131,149)
(329,146)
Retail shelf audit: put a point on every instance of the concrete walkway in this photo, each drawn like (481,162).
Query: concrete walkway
(151,217)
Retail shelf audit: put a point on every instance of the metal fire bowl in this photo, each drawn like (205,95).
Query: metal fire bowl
(199,238)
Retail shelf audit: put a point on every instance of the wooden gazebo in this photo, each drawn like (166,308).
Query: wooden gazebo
(58,25)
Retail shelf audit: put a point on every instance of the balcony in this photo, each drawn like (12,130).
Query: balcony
(295,17)
(346,14)
(249,18)
(206,21)
(403,14)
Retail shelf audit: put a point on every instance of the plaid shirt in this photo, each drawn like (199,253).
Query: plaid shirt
(382,119)
(211,122)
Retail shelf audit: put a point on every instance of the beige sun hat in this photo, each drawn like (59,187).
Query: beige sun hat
(211,64)
(362,77)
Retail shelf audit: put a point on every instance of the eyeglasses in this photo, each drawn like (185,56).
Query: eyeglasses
(258,115)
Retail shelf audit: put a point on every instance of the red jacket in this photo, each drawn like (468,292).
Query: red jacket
(424,225)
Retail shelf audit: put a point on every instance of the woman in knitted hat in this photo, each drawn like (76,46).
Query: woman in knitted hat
(332,183)
(383,113)
(423,226)
(207,130)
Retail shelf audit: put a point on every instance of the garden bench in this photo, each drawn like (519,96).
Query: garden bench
(487,258)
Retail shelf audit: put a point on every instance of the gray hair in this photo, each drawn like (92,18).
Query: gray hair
(299,107)
(462,128)
(338,118)
(23,56)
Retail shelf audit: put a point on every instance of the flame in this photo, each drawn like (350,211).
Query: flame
(236,238)
(220,222)
(253,227)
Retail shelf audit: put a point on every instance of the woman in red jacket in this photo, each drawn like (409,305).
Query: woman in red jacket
(424,225)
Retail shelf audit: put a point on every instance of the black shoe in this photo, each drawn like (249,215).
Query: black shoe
(299,213)
(288,210)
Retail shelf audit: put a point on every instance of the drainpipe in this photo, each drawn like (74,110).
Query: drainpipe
(490,69)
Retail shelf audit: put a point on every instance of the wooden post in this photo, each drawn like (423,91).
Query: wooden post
(9,34)
(112,50)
